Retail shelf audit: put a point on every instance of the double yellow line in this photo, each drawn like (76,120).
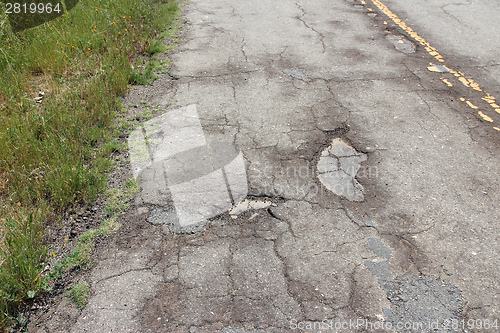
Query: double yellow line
(465,80)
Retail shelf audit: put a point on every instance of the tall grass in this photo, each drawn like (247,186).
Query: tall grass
(59,88)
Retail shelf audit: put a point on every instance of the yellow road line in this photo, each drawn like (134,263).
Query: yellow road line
(485,117)
(428,47)
(465,80)
(471,105)
(448,83)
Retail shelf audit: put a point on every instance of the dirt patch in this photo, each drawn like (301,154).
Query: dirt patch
(54,310)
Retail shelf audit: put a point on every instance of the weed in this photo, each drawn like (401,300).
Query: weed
(80,293)
(131,187)
(156,47)
(136,78)
(23,257)
(22,321)
(81,255)
(116,203)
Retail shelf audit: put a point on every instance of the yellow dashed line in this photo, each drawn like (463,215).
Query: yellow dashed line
(466,81)
(471,105)
(446,82)
(433,68)
(491,101)
(488,98)
(498,129)
(485,117)
(432,51)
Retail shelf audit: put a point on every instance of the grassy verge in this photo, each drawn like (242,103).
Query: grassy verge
(80,256)
(80,293)
(59,89)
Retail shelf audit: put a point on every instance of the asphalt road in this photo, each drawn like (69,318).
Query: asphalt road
(371,156)
(467,31)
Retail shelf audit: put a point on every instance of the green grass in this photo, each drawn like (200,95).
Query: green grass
(156,47)
(80,293)
(22,263)
(131,187)
(54,151)
(115,202)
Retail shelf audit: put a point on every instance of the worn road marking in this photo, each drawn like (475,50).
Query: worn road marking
(485,117)
(465,80)
(438,68)
(448,83)
(471,105)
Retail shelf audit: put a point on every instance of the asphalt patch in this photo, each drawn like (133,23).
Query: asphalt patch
(379,248)
(425,300)
(418,303)
(401,44)
(380,269)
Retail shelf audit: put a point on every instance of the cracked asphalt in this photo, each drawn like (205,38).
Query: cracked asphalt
(318,96)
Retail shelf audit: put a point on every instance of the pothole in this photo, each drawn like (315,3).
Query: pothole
(247,204)
(177,169)
(337,169)
(401,44)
